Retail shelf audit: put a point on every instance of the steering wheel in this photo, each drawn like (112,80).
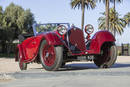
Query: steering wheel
(89,29)
(62,29)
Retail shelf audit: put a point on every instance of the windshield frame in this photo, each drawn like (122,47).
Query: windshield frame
(35,31)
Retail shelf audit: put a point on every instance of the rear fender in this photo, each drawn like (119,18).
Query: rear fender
(99,39)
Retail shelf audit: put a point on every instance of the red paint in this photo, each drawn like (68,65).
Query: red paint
(48,54)
(19,49)
(61,36)
(76,39)
(29,48)
(96,42)
(88,37)
(99,38)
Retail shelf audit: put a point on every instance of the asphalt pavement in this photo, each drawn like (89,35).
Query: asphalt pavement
(73,75)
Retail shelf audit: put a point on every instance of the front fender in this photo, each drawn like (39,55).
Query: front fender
(99,39)
(18,50)
(53,39)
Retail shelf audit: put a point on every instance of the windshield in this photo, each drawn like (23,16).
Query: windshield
(40,28)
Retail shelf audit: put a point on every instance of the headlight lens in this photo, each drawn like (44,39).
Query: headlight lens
(62,29)
(89,29)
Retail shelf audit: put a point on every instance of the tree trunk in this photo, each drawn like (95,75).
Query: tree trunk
(3,43)
(9,47)
(107,15)
(83,8)
(114,17)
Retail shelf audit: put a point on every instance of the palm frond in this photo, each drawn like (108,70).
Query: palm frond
(115,22)
(127,18)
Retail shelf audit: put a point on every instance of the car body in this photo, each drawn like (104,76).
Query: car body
(65,44)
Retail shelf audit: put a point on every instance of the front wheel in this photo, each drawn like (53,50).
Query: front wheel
(107,57)
(51,56)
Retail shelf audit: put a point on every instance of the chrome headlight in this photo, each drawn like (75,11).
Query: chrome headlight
(89,29)
(62,29)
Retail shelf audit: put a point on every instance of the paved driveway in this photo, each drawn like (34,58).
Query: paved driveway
(73,75)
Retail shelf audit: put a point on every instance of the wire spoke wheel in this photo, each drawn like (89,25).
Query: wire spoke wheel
(51,57)
(48,55)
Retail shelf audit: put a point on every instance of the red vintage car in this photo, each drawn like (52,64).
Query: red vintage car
(55,44)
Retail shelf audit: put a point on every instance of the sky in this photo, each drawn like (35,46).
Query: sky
(47,11)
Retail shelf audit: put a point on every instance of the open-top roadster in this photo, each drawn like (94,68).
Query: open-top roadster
(54,44)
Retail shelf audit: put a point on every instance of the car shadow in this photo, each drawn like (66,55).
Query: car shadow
(78,66)
(84,66)
(121,65)
(75,66)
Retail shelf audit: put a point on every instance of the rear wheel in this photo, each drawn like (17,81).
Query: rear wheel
(22,65)
(51,57)
(107,57)
(63,65)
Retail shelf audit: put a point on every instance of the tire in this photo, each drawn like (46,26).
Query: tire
(51,57)
(63,65)
(22,65)
(107,57)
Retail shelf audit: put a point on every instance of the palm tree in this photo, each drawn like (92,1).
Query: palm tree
(114,1)
(127,18)
(106,13)
(83,4)
(1,17)
(115,22)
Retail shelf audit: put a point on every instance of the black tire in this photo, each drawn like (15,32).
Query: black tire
(107,57)
(63,65)
(52,59)
(22,65)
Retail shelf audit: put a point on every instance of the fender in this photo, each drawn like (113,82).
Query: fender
(53,39)
(19,49)
(99,39)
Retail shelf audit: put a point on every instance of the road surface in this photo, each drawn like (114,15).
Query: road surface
(73,75)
